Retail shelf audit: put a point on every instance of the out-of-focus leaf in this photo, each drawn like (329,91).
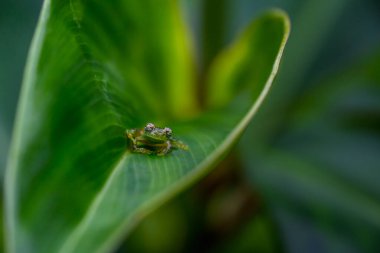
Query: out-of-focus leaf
(257,235)
(16,34)
(313,25)
(246,62)
(324,168)
(96,68)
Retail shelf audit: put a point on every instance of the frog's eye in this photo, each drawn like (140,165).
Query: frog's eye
(149,127)
(168,131)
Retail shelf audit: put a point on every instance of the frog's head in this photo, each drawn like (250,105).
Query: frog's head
(157,134)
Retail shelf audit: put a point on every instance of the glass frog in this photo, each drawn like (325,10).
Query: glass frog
(153,140)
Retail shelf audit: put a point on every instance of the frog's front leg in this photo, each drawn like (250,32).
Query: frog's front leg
(165,149)
(134,137)
(131,135)
(142,150)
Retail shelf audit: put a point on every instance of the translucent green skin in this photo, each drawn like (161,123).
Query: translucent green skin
(154,142)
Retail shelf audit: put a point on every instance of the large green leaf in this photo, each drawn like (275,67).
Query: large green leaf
(96,68)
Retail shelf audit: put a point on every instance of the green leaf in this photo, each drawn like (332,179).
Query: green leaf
(95,69)
(249,61)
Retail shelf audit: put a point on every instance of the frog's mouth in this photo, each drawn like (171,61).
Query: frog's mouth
(152,146)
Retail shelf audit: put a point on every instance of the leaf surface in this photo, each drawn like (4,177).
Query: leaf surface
(95,69)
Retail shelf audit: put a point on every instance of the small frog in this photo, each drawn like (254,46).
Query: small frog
(153,140)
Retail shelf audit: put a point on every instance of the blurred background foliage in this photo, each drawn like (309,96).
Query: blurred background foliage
(305,176)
